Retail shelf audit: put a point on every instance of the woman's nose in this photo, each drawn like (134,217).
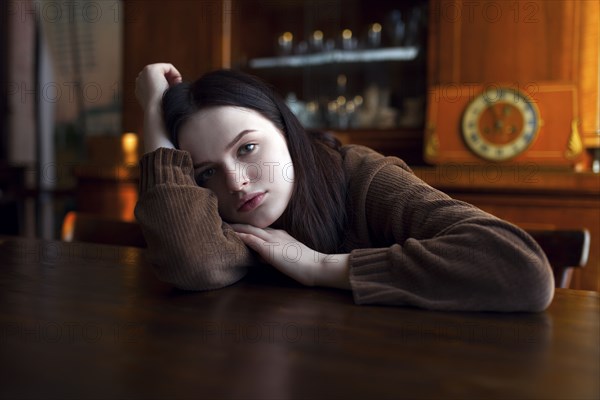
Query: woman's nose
(236,178)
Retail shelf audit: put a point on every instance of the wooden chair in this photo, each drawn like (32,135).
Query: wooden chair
(95,228)
(565,249)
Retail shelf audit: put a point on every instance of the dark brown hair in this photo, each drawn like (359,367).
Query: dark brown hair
(316,213)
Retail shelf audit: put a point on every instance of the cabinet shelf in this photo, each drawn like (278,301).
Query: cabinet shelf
(337,56)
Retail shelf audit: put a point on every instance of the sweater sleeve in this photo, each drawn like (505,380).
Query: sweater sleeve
(189,245)
(429,250)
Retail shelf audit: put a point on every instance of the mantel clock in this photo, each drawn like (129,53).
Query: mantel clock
(503,124)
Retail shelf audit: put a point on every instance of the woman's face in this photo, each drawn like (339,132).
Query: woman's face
(243,158)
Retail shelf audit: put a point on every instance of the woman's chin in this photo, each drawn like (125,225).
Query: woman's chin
(261,223)
(258,222)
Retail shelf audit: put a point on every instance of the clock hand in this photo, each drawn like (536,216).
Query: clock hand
(497,121)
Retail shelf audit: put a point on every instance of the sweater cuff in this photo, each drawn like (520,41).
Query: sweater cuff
(166,166)
(369,272)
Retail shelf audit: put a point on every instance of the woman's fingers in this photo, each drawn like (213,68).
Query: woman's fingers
(167,70)
(173,75)
(154,79)
(255,243)
(281,250)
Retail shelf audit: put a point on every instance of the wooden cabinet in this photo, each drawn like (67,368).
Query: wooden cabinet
(532,45)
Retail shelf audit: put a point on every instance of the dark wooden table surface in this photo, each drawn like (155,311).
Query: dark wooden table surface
(92,321)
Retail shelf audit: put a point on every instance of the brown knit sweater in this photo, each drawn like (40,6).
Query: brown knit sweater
(409,244)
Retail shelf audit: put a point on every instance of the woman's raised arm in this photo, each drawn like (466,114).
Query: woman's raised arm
(150,85)
(189,246)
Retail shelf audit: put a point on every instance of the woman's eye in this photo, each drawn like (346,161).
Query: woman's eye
(247,148)
(205,175)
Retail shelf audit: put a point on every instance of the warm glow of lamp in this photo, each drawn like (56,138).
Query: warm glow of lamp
(129,145)
(68,227)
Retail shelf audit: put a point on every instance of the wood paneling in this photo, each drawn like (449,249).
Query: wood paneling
(498,41)
(589,72)
(184,33)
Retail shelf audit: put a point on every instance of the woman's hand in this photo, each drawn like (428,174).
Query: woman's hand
(153,81)
(150,85)
(295,259)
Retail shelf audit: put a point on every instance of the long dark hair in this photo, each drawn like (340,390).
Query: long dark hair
(316,213)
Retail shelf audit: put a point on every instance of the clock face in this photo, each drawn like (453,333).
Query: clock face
(500,124)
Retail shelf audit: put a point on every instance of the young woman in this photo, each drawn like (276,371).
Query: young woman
(230,178)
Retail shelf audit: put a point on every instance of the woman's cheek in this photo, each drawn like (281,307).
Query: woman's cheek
(288,172)
(252,172)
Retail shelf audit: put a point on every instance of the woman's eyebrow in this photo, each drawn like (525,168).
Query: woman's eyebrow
(236,139)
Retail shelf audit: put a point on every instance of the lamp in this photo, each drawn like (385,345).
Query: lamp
(129,147)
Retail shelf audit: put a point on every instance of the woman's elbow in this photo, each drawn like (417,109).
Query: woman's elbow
(536,282)
(207,275)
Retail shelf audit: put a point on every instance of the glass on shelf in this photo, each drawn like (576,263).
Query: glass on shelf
(348,41)
(374,35)
(395,28)
(285,43)
(316,41)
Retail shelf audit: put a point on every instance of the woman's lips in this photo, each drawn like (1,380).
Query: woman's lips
(253,201)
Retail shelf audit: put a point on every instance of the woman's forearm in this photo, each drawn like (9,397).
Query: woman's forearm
(155,133)
(335,272)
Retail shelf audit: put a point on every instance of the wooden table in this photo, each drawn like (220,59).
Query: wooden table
(92,321)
